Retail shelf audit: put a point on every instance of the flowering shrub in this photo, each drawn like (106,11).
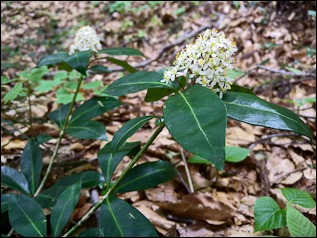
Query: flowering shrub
(193,113)
(207,62)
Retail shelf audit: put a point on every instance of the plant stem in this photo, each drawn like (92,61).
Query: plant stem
(190,182)
(30,106)
(61,135)
(115,185)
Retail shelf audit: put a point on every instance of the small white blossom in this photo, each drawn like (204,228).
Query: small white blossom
(206,62)
(86,38)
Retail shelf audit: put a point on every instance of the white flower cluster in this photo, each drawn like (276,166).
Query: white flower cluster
(206,62)
(86,38)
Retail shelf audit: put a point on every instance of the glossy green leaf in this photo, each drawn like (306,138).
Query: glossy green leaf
(236,154)
(14,179)
(238,88)
(48,197)
(26,216)
(90,232)
(136,82)
(43,138)
(87,130)
(64,208)
(13,93)
(256,111)
(120,51)
(108,160)
(52,59)
(94,107)
(268,215)
(155,94)
(99,69)
(120,219)
(89,179)
(298,225)
(298,197)
(79,61)
(127,130)
(147,175)
(59,115)
(4,202)
(123,64)
(197,120)
(31,164)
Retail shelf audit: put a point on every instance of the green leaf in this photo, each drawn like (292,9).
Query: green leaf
(236,154)
(155,94)
(52,59)
(136,82)
(298,225)
(127,130)
(89,179)
(120,219)
(94,107)
(79,61)
(66,97)
(256,111)
(147,175)
(197,120)
(120,51)
(298,197)
(99,69)
(108,161)
(64,208)
(43,138)
(31,164)
(123,64)
(92,85)
(268,215)
(59,115)
(13,93)
(87,130)
(235,73)
(90,232)
(233,154)
(48,197)
(14,179)
(5,80)
(26,216)
(4,202)
(45,86)
(36,74)
(237,88)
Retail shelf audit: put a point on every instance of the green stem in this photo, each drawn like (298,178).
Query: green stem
(30,106)
(115,185)
(61,135)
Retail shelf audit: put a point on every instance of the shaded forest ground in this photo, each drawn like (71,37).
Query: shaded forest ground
(276,58)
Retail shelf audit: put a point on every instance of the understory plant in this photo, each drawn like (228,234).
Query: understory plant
(200,97)
(269,215)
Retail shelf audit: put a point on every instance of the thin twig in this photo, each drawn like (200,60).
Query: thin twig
(190,182)
(283,72)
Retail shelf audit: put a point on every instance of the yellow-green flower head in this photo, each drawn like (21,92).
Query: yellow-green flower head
(86,38)
(206,62)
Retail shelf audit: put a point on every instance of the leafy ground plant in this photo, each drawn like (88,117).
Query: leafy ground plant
(268,214)
(201,96)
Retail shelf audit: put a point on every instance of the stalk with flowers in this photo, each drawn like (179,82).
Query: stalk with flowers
(201,96)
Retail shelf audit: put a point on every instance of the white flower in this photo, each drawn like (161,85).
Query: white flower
(86,38)
(205,62)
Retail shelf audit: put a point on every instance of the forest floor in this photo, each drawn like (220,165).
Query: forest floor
(276,58)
